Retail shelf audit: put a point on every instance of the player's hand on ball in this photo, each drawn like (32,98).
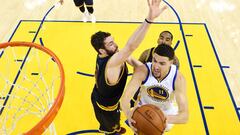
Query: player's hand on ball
(132,121)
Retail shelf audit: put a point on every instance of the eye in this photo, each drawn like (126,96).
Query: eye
(168,39)
(162,63)
(110,43)
(154,60)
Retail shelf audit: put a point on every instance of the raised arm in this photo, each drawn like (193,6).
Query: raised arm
(154,11)
(181,98)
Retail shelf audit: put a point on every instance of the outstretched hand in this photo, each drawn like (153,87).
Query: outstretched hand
(131,121)
(154,9)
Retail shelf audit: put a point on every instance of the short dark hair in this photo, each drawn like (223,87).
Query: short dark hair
(166,31)
(165,50)
(97,40)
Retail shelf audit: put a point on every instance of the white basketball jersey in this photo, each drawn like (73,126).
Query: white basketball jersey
(156,92)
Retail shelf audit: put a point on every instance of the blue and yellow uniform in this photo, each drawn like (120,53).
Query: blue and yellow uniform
(105,97)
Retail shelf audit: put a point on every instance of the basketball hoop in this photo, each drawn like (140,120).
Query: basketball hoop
(31,88)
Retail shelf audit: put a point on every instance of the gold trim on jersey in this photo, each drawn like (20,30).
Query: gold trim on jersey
(133,100)
(121,74)
(96,74)
(148,55)
(108,108)
(102,56)
(115,130)
(153,51)
(137,100)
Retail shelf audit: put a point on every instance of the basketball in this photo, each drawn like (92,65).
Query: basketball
(150,120)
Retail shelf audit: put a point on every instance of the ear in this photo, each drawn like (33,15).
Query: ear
(102,51)
(158,41)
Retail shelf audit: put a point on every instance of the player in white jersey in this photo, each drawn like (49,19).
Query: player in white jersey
(161,85)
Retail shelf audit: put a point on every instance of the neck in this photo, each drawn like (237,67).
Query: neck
(162,76)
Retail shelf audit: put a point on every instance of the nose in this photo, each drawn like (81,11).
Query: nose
(161,41)
(156,67)
(164,41)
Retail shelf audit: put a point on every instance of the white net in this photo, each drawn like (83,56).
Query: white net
(29,83)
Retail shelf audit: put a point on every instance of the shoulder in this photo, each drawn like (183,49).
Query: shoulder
(180,80)
(147,51)
(144,55)
(180,76)
(176,61)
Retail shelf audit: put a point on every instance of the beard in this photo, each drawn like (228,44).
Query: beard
(156,74)
(110,52)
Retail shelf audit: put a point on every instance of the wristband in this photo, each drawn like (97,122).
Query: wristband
(148,21)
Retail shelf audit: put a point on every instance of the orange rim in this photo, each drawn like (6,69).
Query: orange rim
(43,124)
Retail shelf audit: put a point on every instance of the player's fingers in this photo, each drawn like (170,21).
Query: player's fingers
(134,130)
(163,8)
(148,2)
(157,2)
(132,121)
